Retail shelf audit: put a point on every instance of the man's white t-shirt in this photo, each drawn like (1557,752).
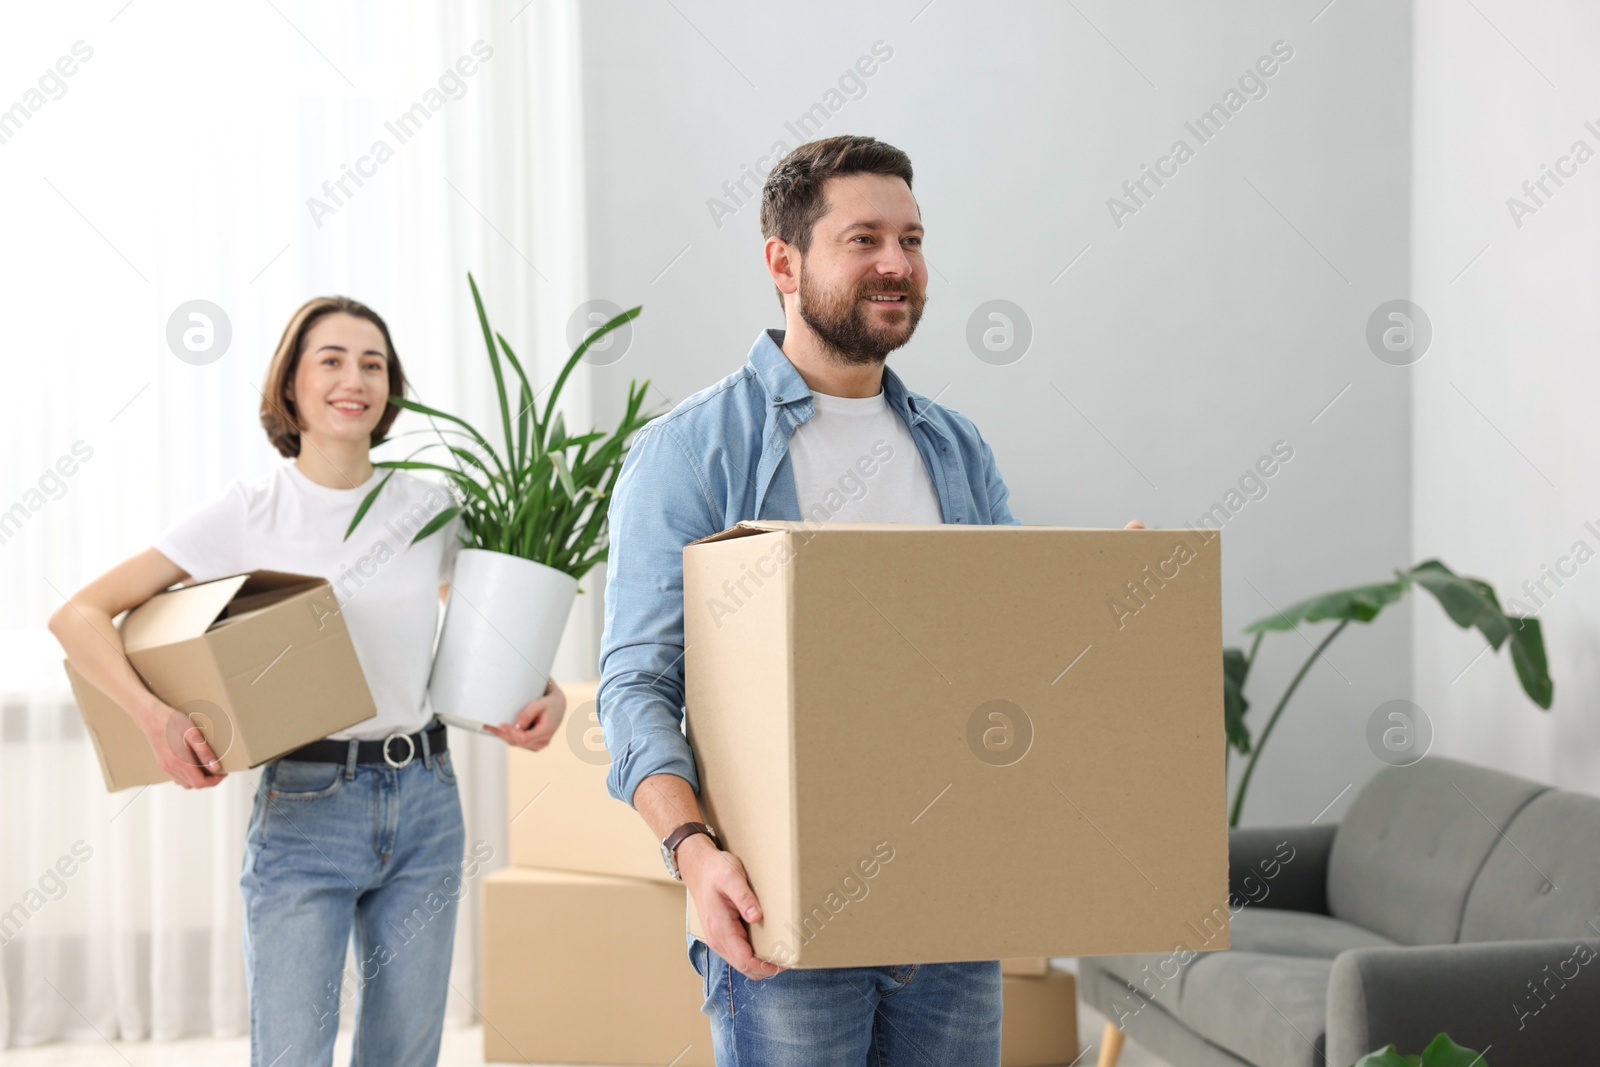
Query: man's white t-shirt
(387,588)
(856,461)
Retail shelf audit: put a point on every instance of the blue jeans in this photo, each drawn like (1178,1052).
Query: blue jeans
(916,1015)
(335,849)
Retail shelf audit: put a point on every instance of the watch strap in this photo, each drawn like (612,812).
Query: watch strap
(687,830)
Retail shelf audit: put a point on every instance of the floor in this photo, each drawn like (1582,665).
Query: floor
(462,1048)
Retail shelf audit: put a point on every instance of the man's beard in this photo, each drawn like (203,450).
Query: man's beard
(840,320)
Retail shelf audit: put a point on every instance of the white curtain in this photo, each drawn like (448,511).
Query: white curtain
(175,162)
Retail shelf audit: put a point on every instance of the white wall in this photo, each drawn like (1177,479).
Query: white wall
(1220,318)
(1504,404)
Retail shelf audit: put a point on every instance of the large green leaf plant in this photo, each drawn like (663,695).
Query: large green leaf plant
(1469,602)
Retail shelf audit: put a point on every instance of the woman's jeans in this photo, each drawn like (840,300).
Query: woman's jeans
(944,1014)
(341,848)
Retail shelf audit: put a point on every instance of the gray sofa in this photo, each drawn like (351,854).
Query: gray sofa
(1451,898)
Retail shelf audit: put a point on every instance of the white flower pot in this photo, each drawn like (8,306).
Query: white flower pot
(502,625)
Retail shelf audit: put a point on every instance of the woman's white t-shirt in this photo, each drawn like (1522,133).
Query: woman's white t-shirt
(387,587)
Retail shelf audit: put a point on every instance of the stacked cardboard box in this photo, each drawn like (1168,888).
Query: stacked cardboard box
(1040,1027)
(584,958)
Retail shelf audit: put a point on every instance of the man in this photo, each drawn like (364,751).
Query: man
(790,436)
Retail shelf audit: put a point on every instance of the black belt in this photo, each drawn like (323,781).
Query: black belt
(392,750)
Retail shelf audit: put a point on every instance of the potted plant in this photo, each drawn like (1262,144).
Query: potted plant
(1468,602)
(533,516)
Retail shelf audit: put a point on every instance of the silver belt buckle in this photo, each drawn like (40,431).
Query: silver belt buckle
(411,747)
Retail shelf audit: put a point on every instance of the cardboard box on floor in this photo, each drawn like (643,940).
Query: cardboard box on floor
(1040,1025)
(589,968)
(932,743)
(262,662)
(1031,966)
(561,815)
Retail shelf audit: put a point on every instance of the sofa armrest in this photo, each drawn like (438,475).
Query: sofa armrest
(1518,1001)
(1284,867)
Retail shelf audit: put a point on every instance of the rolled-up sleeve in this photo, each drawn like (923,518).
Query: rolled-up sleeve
(659,505)
(998,493)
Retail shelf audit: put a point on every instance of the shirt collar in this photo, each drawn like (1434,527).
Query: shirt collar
(784,385)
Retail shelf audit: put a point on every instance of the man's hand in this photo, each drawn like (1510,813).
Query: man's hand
(535,724)
(719,889)
(180,747)
(1134,525)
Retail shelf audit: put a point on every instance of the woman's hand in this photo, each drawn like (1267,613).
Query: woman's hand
(1134,525)
(180,747)
(535,724)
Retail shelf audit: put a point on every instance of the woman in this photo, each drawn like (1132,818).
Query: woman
(360,831)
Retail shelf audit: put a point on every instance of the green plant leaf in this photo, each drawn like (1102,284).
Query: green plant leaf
(453,474)
(412,405)
(1472,603)
(1442,1052)
(1468,601)
(577,355)
(1527,655)
(588,438)
(564,474)
(1360,603)
(366,502)
(1234,705)
(525,412)
(499,376)
(436,523)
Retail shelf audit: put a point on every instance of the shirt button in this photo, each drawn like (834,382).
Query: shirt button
(778,399)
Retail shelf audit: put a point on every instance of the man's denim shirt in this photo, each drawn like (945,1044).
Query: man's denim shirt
(717,458)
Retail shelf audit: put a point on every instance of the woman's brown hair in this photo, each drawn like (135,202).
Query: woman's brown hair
(279,416)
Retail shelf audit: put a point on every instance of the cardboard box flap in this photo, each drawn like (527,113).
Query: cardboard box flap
(179,614)
(263,589)
(749,527)
(744,528)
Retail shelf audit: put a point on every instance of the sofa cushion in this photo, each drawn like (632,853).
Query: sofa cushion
(1156,976)
(1160,977)
(1267,1010)
(1298,933)
(1153,1028)
(1415,838)
(1543,878)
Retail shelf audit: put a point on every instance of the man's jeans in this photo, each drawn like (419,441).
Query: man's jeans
(335,848)
(917,1015)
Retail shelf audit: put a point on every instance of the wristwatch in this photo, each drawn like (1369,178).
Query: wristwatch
(669,845)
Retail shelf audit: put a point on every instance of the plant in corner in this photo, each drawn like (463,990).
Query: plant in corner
(1470,602)
(533,515)
(1441,1052)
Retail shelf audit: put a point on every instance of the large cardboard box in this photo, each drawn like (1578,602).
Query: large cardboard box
(262,662)
(1040,1025)
(951,742)
(588,968)
(560,813)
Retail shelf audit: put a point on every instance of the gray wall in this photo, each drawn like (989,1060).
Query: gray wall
(1222,316)
(1505,399)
